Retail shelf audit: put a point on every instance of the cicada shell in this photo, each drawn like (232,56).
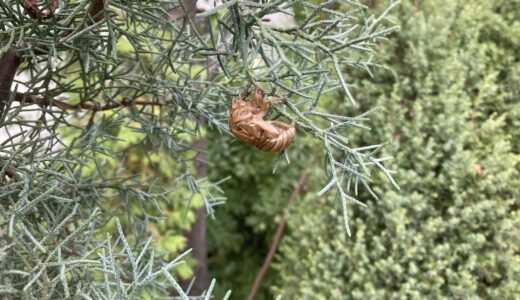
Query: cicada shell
(247,122)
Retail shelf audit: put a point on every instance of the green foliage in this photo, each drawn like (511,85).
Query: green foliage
(257,195)
(165,227)
(110,87)
(452,109)
(256,198)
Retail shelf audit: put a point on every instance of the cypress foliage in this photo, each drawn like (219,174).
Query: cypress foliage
(452,110)
(111,86)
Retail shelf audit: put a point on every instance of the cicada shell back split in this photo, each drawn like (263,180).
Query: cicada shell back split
(247,122)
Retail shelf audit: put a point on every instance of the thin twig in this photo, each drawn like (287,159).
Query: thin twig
(22,97)
(31,7)
(96,9)
(278,235)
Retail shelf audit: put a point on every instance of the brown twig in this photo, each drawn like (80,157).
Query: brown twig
(96,8)
(9,63)
(11,174)
(31,7)
(22,97)
(277,236)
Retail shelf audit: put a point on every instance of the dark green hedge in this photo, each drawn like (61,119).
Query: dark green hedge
(451,95)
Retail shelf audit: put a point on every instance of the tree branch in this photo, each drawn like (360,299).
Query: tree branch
(25,98)
(9,63)
(278,235)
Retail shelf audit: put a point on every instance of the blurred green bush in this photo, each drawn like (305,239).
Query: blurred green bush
(451,95)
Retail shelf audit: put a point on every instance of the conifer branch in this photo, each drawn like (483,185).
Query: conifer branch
(25,98)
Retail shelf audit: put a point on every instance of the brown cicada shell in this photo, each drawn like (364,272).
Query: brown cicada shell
(248,125)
